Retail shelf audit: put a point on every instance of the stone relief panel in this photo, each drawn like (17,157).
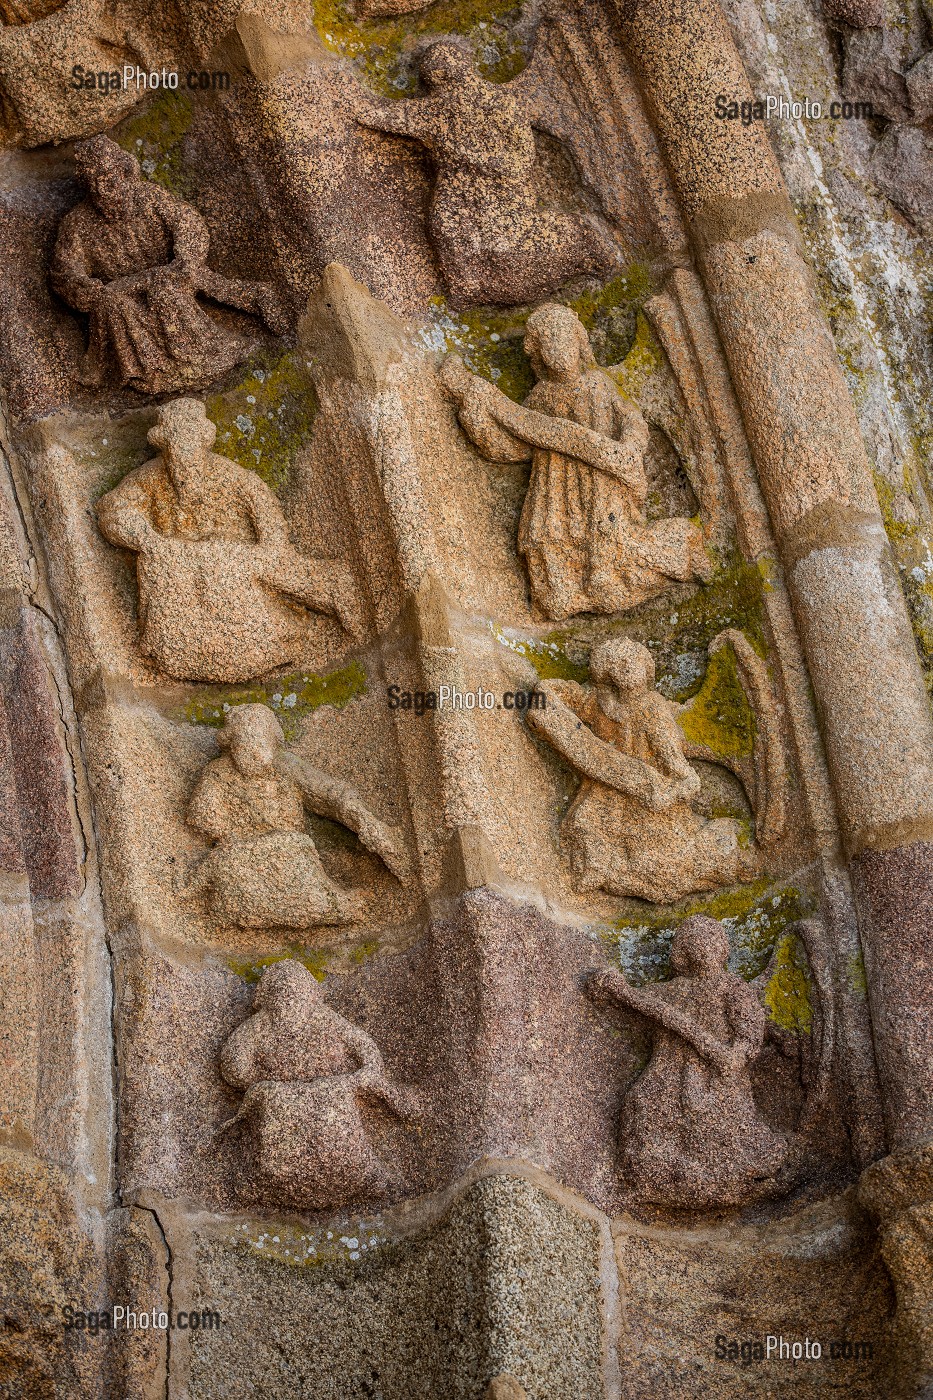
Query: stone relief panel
(583,534)
(542,501)
(264,869)
(494,241)
(308,1074)
(691,1134)
(632,829)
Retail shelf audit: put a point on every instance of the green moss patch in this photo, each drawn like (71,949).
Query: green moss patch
(155,138)
(264,422)
(754,917)
(787,995)
(490,343)
(292,697)
(616,326)
(721,716)
(548,656)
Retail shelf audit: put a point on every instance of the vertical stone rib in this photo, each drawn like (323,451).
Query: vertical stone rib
(876,719)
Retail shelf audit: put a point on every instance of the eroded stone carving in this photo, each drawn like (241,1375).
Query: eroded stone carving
(632,829)
(691,1136)
(584,535)
(27,11)
(221,588)
(264,869)
(133,258)
(494,242)
(306,1071)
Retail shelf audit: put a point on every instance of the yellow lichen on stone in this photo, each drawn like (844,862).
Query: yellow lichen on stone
(489,341)
(380,47)
(643,360)
(754,916)
(548,656)
(264,422)
(292,697)
(858,979)
(612,317)
(787,995)
(721,716)
(316,960)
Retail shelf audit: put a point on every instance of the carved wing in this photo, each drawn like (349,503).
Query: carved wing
(578,88)
(764,775)
(818,1064)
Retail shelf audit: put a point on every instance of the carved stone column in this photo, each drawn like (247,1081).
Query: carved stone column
(815,478)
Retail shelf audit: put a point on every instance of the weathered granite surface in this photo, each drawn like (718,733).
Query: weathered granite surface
(466,753)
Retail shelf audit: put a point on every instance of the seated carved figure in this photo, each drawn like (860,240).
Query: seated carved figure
(264,869)
(494,243)
(631,829)
(133,257)
(306,1071)
(691,1136)
(222,591)
(584,536)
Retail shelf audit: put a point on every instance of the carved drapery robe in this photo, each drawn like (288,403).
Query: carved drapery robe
(137,278)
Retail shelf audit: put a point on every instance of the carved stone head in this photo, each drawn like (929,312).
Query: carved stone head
(110,173)
(701,947)
(184,435)
(285,987)
(253,736)
(557,344)
(444,64)
(626,666)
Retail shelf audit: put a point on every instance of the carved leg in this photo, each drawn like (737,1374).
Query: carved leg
(256,298)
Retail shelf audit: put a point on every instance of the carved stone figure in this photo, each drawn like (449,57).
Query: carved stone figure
(494,242)
(264,869)
(587,544)
(133,257)
(221,588)
(691,1135)
(631,829)
(306,1071)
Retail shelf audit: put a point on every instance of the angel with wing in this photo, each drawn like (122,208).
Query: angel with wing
(495,243)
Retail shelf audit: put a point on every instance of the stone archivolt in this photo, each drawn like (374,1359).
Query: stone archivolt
(464,1027)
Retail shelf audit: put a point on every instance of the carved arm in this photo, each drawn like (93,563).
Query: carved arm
(190,238)
(123,514)
(603,763)
(612,987)
(330,797)
(265,512)
(68,274)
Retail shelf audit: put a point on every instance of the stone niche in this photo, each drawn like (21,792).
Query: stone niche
(466,863)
